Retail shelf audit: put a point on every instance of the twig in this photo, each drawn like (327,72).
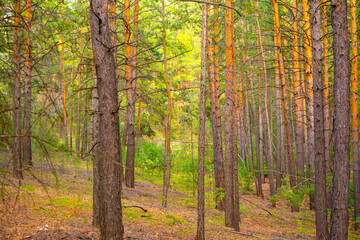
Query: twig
(257,206)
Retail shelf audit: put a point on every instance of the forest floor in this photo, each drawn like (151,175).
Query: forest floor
(54,201)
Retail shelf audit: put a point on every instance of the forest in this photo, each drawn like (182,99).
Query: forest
(179,119)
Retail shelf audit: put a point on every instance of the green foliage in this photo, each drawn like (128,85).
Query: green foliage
(246,179)
(149,155)
(292,196)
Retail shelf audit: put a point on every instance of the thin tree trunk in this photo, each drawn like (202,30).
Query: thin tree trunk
(309,95)
(27,153)
(63,99)
(216,146)
(192,158)
(319,143)
(229,110)
(168,118)
(236,214)
(298,111)
(268,142)
(109,135)
(354,113)
(84,136)
(17,163)
(217,93)
(78,127)
(327,127)
(130,109)
(280,71)
(200,234)
(341,163)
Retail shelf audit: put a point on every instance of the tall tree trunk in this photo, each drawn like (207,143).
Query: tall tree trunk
(217,93)
(341,163)
(109,135)
(168,117)
(63,98)
(200,234)
(27,153)
(130,75)
(268,142)
(354,112)
(236,196)
(84,136)
(78,125)
(327,127)
(216,147)
(298,111)
(229,110)
(17,163)
(280,71)
(309,95)
(71,112)
(319,143)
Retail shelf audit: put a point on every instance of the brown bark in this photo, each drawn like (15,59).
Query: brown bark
(130,77)
(109,139)
(78,125)
(319,143)
(220,165)
(236,214)
(216,147)
(200,234)
(280,71)
(354,113)
(167,169)
(17,163)
(327,127)
(309,96)
(27,152)
(341,162)
(63,97)
(268,132)
(229,110)
(298,111)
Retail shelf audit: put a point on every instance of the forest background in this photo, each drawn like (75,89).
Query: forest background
(115,92)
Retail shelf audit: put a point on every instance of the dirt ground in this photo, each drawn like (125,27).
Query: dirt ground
(43,206)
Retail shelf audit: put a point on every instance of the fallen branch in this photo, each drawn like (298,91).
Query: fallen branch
(247,234)
(135,206)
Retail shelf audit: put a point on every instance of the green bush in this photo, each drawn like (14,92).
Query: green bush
(293,196)
(149,155)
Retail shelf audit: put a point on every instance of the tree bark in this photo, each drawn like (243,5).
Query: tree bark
(327,127)
(17,163)
(280,71)
(27,153)
(200,234)
(354,112)
(216,147)
(229,110)
(219,150)
(319,143)
(168,117)
(341,162)
(130,97)
(268,132)
(309,95)
(109,135)
(298,111)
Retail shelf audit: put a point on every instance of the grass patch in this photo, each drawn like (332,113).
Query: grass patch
(173,220)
